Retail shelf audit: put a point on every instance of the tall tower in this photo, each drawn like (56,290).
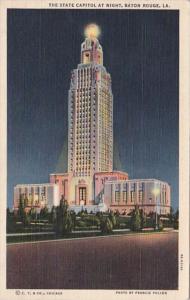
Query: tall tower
(90,115)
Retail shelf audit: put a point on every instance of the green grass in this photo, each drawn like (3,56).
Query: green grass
(20,228)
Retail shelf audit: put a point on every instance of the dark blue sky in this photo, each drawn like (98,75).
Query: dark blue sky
(141,54)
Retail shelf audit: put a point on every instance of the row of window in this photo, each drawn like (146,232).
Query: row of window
(83,167)
(80,90)
(81,100)
(125,196)
(84,161)
(85,72)
(82,173)
(79,96)
(132,195)
(84,106)
(83,121)
(83,128)
(84,82)
(84,142)
(84,99)
(83,117)
(84,77)
(83,158)
(32,190)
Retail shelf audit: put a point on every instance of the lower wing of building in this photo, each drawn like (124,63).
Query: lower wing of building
(104,191)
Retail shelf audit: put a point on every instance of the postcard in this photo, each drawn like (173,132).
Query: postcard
(94,149)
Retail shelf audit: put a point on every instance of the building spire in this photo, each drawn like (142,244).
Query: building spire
(92,31)
(91,50)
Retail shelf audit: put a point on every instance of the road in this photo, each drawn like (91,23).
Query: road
(146,261)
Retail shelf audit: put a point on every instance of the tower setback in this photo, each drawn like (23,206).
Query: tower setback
(90,135)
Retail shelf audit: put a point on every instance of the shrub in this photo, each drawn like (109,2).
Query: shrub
(91,220)
(99,214)
(143,219)
(136,220)
(123,225)
(64,224)
(106,226)
(176,225)
(80,223)
(82,213)
(26,219)
(73,217)
(112,218)
(44,214)
(176,220)
(160,225)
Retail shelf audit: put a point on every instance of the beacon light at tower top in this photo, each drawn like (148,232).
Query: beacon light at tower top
(92,31)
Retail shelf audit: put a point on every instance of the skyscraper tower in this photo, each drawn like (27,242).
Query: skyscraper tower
(90,114)
(90,137)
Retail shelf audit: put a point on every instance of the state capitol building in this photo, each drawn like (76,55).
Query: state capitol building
(91,183)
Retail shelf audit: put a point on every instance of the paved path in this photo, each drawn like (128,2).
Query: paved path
(53,233)
(146,261)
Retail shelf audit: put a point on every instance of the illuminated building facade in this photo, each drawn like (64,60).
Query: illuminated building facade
(151,195)
(36,195)
(90,134)
(90,182)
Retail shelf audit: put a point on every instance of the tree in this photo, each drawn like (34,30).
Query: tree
(99,214)
(64,222)
(73,217)
(52,215)
(8,212)
(10,221)
(143,218)
(176,220)
(117,213)
(106,225)
(136,220)
(21,208)
(112,218)
(26,219)
(23,216)
(32,213)
(44,213)
(160,224)
(151,219)
(171,216)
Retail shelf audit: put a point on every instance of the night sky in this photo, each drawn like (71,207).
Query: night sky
(141,54)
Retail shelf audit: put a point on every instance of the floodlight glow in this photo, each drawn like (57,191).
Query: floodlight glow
(92,31)
(156,191)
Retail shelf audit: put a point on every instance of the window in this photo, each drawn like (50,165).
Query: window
(82,194)
(125,196)
(140,196)
(132,196)
(117,196)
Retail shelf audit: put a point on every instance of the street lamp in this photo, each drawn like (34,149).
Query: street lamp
(156,192)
